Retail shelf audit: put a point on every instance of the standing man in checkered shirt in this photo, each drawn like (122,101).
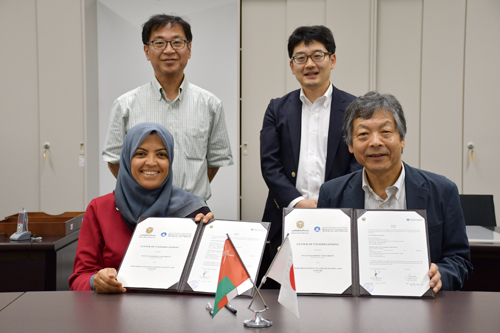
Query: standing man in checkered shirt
(194,116)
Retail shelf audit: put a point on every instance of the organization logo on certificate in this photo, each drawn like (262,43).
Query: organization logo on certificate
(149,230)
(300,224)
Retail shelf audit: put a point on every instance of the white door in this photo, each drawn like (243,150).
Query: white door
(266,26)
(61,107)
(481,89)
(42,101)
(19,133)
(263,77)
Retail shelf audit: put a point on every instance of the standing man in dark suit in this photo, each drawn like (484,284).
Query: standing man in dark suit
(375,128)
(301,142)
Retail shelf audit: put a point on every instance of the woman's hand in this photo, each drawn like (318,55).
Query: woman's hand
(105,282)
(205,218)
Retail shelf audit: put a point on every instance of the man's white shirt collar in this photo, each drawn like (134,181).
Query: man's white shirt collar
(395,189)
(158,88)
(325,99)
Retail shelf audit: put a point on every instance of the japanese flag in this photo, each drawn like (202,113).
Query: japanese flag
(282,272)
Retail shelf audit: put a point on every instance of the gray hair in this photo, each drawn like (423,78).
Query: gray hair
(365,106)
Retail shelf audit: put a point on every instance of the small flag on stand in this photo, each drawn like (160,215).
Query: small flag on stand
(281,271)
(232,277)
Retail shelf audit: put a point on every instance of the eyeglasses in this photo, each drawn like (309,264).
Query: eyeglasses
(176,44)
(316,57)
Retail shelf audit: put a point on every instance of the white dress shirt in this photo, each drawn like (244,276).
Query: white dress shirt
(196,120)
(396,194)
(313,145)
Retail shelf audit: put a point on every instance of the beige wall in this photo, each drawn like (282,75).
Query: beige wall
(439,57)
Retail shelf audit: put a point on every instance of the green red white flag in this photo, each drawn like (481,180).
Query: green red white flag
(282,272)
(233,278)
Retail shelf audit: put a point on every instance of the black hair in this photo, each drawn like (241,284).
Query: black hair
(157,21)
(309,34)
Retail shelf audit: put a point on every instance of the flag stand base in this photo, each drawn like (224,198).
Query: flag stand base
(257,321)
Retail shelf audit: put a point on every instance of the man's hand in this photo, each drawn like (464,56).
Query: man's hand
(105,282)
(306,204)
(435,276)
(211,172)
(114,168)
(205,218)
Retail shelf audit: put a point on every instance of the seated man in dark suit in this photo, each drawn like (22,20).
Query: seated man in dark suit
(374,129)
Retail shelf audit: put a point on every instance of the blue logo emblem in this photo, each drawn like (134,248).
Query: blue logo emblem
(317,229)
(163,234)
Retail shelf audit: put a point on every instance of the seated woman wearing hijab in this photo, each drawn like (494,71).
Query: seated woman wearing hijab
(143,188)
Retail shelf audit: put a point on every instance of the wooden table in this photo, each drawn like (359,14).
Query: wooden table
(68,311)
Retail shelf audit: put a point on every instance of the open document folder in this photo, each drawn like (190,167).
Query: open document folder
(177,254)
(359,252)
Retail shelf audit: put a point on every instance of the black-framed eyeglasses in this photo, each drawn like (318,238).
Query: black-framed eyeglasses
(316,56)
(176,44)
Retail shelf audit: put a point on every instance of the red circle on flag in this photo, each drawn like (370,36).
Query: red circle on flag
(292,278)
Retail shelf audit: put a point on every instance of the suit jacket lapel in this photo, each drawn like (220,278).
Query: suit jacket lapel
(417,192)
(294,120)
(334,130)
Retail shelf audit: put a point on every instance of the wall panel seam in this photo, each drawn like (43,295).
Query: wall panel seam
(84,97)
(39,143)
(463,99)
(421,83)
(373,46)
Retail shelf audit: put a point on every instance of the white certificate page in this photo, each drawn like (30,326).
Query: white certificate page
(157,253)
(248,238)
(393,255)
(321,248)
